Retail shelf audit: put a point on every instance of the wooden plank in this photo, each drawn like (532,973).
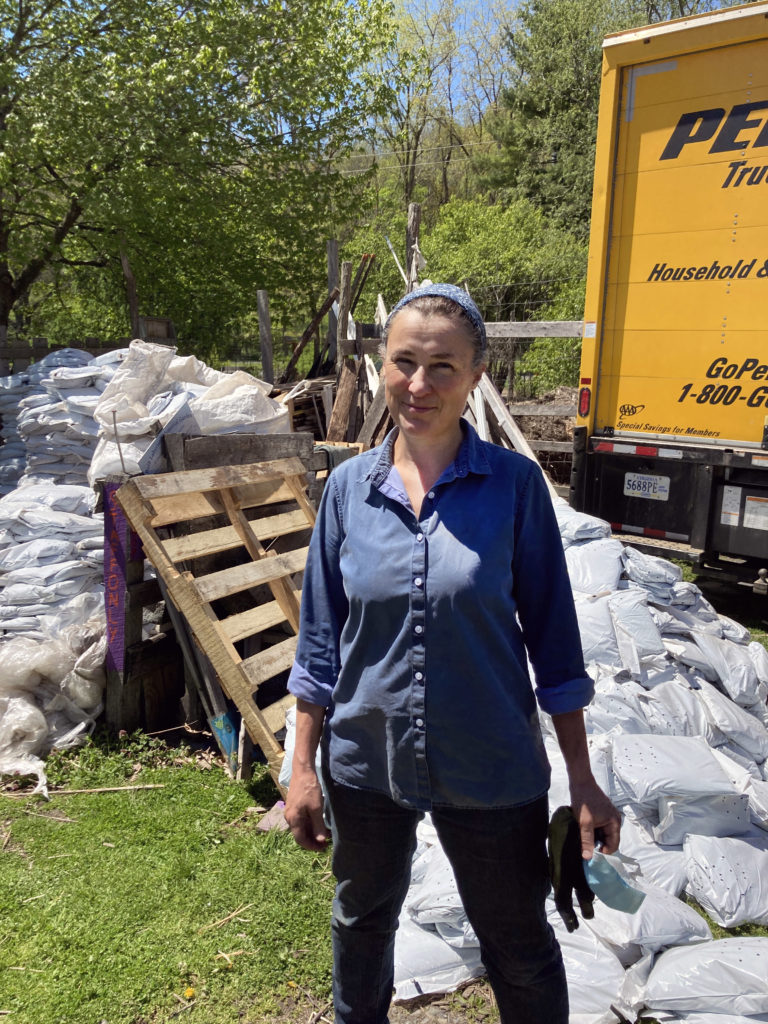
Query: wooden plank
(231,581)
(345,298)
(376,410)
(381,311)
(551,446)
(269,663)
(242,449)
(478,405)
(216,478)
(346,396)
(550,409)
(535,329)
(224,538)
(183,507)
(274,714)
(361,277)
(254,620)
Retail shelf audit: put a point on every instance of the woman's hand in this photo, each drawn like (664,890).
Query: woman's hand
(597,817)
(304,809)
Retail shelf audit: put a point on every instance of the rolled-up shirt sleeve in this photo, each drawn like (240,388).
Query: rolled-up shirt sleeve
(545,603)
(323,607)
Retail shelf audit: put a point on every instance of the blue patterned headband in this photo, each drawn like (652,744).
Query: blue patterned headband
(445,291)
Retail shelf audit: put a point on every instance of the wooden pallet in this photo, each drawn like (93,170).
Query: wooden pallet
(245,616)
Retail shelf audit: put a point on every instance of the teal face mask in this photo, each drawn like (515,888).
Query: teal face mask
(609,887)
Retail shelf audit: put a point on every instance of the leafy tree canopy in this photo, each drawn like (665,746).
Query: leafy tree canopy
(201,137)
(547,126)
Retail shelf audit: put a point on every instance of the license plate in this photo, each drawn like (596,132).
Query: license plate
(642,485)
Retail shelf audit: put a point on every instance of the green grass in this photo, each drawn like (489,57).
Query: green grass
(146,906)
(109,902)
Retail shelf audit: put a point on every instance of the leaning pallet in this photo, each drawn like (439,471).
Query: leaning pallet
(244,617)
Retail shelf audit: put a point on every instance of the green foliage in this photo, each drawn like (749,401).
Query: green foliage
(555,362)
(546,132)
(202,139)
(547,123)
(494,247)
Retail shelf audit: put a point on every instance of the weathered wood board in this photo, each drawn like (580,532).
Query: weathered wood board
(244,614)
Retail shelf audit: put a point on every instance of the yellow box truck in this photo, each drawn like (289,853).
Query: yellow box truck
(671,443)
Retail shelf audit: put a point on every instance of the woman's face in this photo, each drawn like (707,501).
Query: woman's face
(428,374)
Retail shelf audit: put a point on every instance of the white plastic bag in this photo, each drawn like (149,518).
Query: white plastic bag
(729,879)
(721,814)
(652,766)
(595,566)
(727,976)
(662,920)
(424,963)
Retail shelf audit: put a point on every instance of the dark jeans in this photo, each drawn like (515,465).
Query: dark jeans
(500,863)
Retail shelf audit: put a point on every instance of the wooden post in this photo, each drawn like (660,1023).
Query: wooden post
(332,256)
(265,337)
(346,388)
(345,289)
(411,242)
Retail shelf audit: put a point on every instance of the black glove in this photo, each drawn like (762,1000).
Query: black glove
(566,868)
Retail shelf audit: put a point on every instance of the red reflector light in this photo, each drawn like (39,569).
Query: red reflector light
(585,400)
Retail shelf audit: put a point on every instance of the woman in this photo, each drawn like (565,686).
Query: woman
(435,573)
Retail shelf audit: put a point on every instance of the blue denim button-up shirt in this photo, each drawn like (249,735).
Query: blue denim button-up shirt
(414,630)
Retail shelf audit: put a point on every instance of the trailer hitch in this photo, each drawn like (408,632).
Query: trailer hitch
(760,586)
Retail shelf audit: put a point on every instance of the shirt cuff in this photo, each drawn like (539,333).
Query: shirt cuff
(568,696)
(304,685)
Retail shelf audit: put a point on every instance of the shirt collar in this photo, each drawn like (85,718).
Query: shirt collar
(471,458)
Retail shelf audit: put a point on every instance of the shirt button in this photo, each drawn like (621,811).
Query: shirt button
(418,581)
(419,722)
(418,629)
(430,494)
(419,537)
(419,675)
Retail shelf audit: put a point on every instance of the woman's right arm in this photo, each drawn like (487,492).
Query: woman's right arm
(304,803)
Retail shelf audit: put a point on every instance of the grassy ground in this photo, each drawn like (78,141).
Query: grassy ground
(145,905)
(124,907)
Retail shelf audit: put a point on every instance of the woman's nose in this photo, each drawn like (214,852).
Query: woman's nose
(419,380)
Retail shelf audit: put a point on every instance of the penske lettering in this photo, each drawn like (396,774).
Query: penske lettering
(740,173)
(728,132)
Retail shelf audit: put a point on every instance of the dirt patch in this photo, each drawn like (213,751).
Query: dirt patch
(472,1004)
(548,428)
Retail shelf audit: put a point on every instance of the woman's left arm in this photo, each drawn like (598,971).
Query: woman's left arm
(591,807)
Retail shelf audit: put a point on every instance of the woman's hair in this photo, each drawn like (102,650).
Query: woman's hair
(439,305)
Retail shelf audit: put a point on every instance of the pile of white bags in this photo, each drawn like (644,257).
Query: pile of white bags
(51,559)
(68,422)
(155,390)
(678,739)
(19,394)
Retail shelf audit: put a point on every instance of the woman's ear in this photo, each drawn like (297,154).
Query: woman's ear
(477,375)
